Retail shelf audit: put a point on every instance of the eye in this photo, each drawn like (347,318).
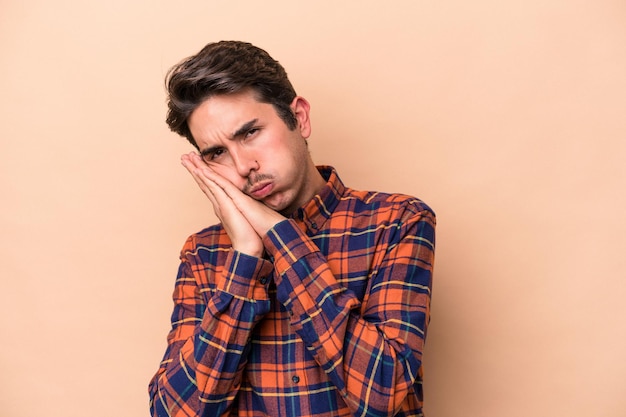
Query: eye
(217,153)
(213,154)
(251,132)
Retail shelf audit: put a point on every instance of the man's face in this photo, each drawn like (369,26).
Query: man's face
(246,142)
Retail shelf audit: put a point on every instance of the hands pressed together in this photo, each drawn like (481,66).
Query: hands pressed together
(245,219)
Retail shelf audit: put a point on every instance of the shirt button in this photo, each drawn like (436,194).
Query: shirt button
(314,225)
(295,379)
(263,280)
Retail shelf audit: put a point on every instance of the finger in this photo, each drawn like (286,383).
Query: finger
(208,187)
(228,187)
(221,200)
(261,217)
(192,161)
(194,171)
(209,177)
(243,236)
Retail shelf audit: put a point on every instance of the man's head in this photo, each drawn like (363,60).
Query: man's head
(223,68)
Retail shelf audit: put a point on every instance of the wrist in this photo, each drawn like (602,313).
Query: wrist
(255,249)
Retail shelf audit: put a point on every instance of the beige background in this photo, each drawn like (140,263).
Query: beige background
(508,118)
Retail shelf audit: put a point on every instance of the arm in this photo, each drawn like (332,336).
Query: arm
(207,346)
(371,352)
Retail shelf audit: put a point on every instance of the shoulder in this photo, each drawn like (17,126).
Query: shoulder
(393,204)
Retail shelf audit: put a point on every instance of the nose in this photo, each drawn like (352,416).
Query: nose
(244,162)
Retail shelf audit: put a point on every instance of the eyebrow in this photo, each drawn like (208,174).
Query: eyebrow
(238,133)
(244,128)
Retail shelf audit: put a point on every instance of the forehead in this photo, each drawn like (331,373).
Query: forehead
(218,117)
(229,109)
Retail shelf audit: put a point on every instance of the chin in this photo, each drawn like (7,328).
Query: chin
(281,206)
(274,205)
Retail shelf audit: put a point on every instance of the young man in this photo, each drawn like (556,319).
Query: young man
(309,298)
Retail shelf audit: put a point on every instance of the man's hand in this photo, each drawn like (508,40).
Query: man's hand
(245,220)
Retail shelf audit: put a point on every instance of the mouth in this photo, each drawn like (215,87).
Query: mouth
(261,190)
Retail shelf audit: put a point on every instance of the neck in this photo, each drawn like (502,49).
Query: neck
(314,184)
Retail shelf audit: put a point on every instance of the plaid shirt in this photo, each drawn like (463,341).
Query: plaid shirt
(331,322)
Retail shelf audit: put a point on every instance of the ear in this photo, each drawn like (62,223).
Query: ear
(301,109)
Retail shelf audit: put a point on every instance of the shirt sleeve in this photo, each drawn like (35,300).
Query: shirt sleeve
(370,350)
(201,370)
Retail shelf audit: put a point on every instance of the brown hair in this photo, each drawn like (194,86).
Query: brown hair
(226,67)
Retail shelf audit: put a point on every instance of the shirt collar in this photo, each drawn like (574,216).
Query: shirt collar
(318,210)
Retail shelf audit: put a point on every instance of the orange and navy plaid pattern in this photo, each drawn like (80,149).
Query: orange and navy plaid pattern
(332,322)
